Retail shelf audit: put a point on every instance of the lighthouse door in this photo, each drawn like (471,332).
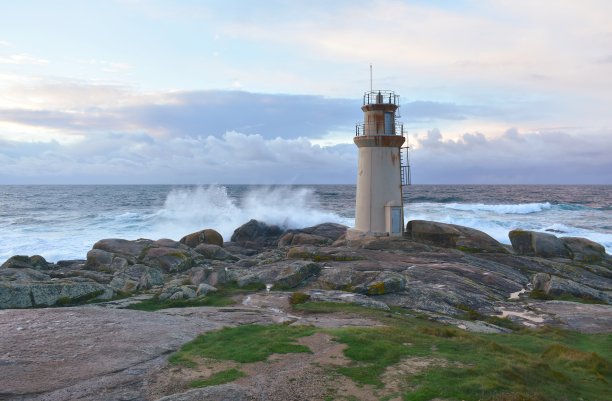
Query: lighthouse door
(396,220)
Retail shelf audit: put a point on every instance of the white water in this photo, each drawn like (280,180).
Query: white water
(523,208)
(59,234)
(499,219)
(189,210)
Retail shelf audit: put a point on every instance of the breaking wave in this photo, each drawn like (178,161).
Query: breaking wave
(188,210)
(521,208)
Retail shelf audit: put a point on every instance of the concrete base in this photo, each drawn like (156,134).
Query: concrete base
(354,234)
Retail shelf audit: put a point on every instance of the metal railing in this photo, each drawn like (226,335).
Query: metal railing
(381,97)
(378,128)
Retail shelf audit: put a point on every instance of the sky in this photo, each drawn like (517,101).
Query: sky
(250,92)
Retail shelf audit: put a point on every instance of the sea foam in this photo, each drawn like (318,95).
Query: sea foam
(520,208)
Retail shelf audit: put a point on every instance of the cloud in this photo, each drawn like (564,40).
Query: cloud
(87,109)
(234,158)
(82,108)
(214,112)
(82,133)
(127,158)
(513,158)
(427,111)
(109,66)
(21,58)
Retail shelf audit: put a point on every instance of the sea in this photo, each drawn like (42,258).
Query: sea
(63,222)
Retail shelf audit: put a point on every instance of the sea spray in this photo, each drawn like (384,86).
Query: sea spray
(192,209)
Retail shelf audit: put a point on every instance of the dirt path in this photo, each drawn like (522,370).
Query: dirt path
(282,377)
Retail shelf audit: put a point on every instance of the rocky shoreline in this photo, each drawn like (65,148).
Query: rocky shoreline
(435,267)
(443,271)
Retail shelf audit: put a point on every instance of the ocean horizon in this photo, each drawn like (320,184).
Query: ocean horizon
(62,222)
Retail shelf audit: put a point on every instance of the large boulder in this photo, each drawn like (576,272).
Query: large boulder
(137,278)
(332,231)
(363,282)
(280,275)
(64,293)
(533,243)
(303,239)
(452,236)
(170,260)
(257,233)
(322,254)
(115,255)
(584,250)
(211,251)
(321,234)
(207,236)
(104,261)
(23,275)
(130,250)
(26,262)
(212,275)
(50,293)
(204,289)
(14,295)
(176,290)
(295,273)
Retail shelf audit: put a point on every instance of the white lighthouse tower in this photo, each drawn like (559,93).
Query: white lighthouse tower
(379,207)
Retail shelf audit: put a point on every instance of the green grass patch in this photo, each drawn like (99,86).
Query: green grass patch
(297,298)
(546,364)
(222,377)
(471,314)
(222,297)
(248,343)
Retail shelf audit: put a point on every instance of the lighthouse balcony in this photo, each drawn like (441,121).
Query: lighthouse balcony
(379,128)
(381,97)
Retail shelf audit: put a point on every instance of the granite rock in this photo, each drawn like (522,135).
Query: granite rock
(533,243)
(207,236)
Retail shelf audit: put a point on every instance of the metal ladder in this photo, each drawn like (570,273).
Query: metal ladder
(406,179)
(405,165)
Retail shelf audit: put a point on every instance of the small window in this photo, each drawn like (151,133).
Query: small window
(388,123)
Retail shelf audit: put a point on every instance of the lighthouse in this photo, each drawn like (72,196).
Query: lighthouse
(381,174)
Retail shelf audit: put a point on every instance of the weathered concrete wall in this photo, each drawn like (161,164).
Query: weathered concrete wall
(378,181)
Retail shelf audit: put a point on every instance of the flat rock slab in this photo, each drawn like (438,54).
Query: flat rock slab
(85,352)
(587,318)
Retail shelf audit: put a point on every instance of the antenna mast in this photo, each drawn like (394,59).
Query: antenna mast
(370,77)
